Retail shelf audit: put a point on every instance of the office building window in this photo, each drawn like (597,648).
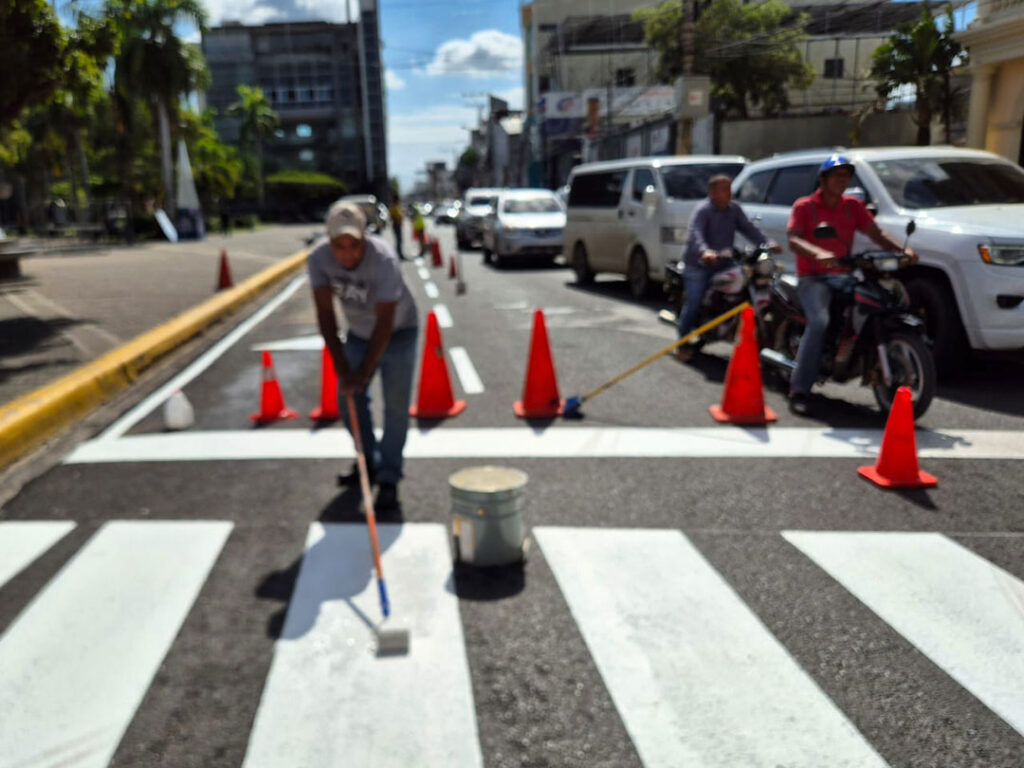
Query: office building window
(833,69)
(625,78)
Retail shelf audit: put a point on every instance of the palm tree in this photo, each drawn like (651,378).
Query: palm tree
(258,120)
(157,66)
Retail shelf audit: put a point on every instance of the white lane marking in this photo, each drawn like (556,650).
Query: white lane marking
(76,664)
(431,290)
(424,273)
(296,344)
(444,317)
(329,700)
(22,542)
(419,261)
(958,609)
(468,377)
(155,400)
(553,442)
(695,676)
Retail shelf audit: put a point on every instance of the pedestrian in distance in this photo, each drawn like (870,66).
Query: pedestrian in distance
(712,230)
(419,229)
(363,272)
(818,269)
(396,224)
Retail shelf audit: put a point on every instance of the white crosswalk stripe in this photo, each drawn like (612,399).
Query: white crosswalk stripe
(695,676)
(686,662)
(76,664)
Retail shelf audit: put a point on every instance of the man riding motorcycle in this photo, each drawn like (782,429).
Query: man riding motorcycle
(712,229)
(817,263)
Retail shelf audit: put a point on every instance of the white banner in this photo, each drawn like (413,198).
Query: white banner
(626,102)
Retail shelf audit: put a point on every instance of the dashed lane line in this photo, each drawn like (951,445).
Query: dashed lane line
(424,273)
(23,542)
(431,290)
(553,442)
(444,317)
(468,377)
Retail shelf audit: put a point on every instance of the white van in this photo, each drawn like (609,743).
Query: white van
(631,216)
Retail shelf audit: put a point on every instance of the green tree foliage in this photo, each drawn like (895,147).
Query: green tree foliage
(216,167)
(258,120)
(32,46)
(920,54)
(303,195)
(750,51)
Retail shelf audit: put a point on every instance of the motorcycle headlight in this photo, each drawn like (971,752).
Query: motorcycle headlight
(887,264)
(1003,255)
(673,235)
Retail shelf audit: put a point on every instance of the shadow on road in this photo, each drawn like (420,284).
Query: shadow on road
(989,383)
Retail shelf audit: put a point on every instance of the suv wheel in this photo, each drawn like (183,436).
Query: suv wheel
(639,280)
(584,274)
(934,303)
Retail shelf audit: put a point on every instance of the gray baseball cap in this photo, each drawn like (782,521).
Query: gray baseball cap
(345,218)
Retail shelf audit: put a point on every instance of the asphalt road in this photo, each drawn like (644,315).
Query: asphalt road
(742,619)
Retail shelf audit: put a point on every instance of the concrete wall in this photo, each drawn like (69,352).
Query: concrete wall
(1005,130)
(760,138)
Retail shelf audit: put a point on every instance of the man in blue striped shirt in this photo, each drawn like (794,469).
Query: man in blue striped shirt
(712,230)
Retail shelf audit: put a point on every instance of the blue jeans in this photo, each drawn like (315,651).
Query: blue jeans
(815,292)
(396,369)
(696,280)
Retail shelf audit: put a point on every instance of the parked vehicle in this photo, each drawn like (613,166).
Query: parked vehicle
(871,333)
(630,217)
(476,206)
(968,286)
(376,213)
(447,211)
(524,224)
(748,279)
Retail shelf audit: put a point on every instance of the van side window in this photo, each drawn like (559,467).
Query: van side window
(792,183)
(754,189)
(597,190)
(642,179)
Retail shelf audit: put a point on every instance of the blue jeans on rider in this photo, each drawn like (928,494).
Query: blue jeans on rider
(696,280)
(396,369)
(815,292)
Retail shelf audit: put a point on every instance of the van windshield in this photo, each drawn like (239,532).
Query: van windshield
(690,182)
(532,205)
(480,200)
(938,182)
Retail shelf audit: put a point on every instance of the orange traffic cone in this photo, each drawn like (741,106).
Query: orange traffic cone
(224,279)
(328,408)
(452,272)
(743,398)
(272,405)
(435,400)
(897,461)
(540,387)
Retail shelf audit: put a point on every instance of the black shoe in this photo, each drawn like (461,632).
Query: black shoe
(387,498)
(351,478)
(800,403)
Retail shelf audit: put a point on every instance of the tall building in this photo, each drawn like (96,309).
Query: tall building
(325,81)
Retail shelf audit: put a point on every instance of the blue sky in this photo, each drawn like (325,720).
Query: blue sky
(440,56)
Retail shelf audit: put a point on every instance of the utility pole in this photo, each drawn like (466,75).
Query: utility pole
(684,132)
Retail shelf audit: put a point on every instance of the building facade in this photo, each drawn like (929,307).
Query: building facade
(995,42)
(325,83)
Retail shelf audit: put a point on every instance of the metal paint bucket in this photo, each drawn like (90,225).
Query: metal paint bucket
(487,521)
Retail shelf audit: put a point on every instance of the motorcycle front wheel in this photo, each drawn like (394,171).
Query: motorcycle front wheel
(912,365)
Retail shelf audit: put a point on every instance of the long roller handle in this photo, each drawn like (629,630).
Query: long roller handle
(371,519)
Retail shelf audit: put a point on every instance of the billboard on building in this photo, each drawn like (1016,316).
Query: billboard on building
(566,113)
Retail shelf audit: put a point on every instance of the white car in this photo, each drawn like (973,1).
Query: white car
(968,207)
(525,224)
(630,217)
(477,205)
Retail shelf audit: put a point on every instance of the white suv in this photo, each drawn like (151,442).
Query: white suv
(968,206)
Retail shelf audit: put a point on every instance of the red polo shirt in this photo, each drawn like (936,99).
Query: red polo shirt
(848,217)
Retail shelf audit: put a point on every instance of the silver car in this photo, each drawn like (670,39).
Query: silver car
(477,205)
(525,224)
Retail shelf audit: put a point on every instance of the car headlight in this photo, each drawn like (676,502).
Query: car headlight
(673,235)
(1004,255)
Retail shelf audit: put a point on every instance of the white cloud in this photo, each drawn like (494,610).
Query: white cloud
(393,81)
(252,12)
(426,134)
(486,54)
(514,96)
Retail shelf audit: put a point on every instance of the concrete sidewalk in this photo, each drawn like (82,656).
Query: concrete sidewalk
(69,313)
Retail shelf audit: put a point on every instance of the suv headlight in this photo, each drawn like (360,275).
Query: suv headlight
(673,235)
(1003,255)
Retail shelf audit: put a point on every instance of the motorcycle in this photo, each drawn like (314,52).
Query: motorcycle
(749,278)
(871,333)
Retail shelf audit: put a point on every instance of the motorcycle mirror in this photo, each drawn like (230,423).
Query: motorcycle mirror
(825,231)
(911,226)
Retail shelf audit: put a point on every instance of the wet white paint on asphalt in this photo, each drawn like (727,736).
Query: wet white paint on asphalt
(958,609)
(696,677)
(554,442)
(329,700)
(444,317)
(466,371)
(23,542)
(76,663)
(296,344)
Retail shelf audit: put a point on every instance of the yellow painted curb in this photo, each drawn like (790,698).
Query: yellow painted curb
(31,419)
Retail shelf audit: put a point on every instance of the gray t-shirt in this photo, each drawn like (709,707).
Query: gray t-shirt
(378,277)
